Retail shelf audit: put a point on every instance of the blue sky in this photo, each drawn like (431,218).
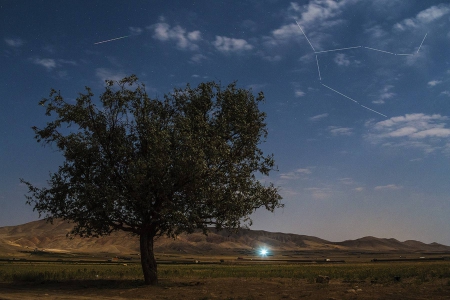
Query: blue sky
(362,148)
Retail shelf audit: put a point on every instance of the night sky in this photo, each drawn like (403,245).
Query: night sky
(362,147)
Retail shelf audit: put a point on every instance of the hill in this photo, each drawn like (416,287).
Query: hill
(52,237)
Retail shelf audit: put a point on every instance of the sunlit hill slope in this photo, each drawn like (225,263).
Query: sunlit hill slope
(43,235)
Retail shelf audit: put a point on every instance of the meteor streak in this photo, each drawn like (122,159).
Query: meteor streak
(122,37)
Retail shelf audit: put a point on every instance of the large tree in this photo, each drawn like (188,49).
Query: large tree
(155,167)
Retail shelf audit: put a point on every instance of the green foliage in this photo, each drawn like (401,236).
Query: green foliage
(155,167)
(162,167)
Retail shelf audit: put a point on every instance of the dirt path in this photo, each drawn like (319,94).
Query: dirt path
(227,288)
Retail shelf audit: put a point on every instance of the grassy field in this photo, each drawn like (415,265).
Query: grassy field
(372,272)
(116,281)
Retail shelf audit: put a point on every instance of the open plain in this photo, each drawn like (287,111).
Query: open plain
(400,280)
(38,261)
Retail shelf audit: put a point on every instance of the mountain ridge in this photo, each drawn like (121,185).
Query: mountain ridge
(52,237)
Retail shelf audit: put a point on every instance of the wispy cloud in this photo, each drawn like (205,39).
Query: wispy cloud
(426,16)
(341,60)
(52,64)
(135,30)
(317,14)
(48,63)
(336,131)
(425,132)
(285,32)
(289,176)
(271,58)
(184,39)
(107,74)
(414,126)
(299,93)
(296,174)
(318,117)
(376,32)
(17,42)
(346,181)
(67,62)
(387,187)
(227,45)
(384,95)
(359,189)
(317,11)
(256,86)
(416,159)
(198,58)
(319,193)
(434,82)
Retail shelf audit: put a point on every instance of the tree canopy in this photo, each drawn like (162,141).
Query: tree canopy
(156,167)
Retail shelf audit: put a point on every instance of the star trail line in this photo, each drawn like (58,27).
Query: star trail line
(122,37)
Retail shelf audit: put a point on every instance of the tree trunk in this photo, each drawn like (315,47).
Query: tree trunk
(148,260)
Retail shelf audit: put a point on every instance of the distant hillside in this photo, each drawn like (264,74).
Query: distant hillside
(370,243)
(43,235)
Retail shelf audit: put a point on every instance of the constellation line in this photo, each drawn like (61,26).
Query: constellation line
(305,36)
(338,49)
(340,93)
(373,110)
(422,42)
(379,50)
(318,69)
(354,101)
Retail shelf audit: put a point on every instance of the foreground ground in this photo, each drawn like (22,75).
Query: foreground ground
(82,280)
(225,288)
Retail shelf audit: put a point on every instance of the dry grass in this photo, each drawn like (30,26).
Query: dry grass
(427,280)
(374,272)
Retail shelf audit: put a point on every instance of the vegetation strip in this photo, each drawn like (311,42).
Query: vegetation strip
(375,273)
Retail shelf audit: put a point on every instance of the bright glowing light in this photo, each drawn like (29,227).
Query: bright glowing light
(263,252)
